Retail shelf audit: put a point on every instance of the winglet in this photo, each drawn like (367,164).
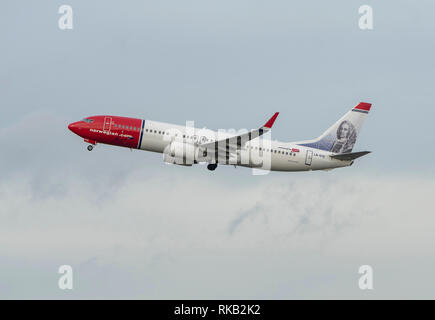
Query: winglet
(269,123)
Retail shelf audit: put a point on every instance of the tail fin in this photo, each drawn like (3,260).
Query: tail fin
(341,137)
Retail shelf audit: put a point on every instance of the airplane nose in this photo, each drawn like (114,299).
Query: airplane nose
(73,127)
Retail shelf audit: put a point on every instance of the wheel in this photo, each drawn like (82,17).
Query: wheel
(212,166)
(90,147)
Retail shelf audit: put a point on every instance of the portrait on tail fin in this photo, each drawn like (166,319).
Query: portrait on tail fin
(346,138)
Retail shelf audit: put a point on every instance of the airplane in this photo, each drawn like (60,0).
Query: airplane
(186,145)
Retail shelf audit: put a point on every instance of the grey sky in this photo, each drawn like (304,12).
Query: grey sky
(134,227)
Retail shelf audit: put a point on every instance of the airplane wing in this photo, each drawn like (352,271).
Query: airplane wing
(231,144)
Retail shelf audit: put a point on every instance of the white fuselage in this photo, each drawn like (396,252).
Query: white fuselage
(260,153)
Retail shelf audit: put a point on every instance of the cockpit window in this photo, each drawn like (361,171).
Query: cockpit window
(88,120)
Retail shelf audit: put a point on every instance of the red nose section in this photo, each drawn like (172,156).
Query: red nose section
(74,127)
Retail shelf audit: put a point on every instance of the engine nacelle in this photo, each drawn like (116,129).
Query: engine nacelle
(180,153)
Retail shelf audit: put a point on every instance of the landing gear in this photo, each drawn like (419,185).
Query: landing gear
(90,147)
(212,166)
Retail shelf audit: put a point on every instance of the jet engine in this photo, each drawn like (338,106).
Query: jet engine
(180,153)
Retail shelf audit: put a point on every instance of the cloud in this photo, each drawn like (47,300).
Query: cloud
(184,235)
(243,216)
(133,227)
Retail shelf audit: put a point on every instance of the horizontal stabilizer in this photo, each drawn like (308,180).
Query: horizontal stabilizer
(350,156)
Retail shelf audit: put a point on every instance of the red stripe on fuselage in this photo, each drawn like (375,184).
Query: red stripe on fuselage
(114,130)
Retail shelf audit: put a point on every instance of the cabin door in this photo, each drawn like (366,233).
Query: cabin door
(309,157)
